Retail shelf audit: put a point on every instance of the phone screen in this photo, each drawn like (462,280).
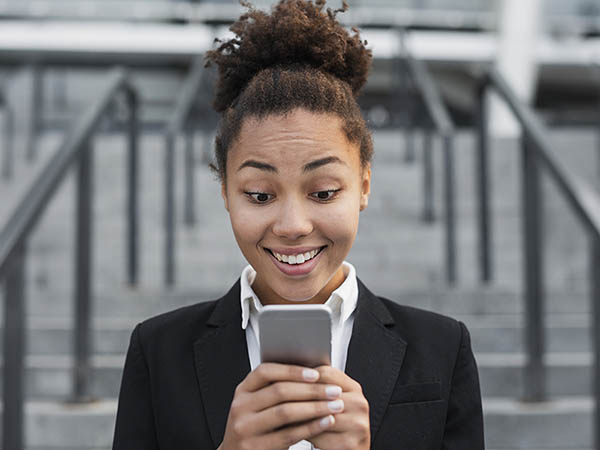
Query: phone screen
(295,334)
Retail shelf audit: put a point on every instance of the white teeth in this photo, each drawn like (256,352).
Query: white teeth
(296,259)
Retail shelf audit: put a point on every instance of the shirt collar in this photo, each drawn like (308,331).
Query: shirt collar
(342,301)
(247,294)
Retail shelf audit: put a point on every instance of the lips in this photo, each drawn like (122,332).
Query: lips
(297,269)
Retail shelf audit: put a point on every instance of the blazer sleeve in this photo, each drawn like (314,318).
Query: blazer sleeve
(464,420)
(135,428)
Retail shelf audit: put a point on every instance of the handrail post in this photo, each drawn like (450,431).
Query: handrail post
(207,155)
(428,207)
(442,121)
(195,80)
(14,348)
(409,138)
(451,265)
(595,300)
(8,128)
(83,275)
(132,188)
(183,105)
(169,218)
(35,117)
(596,66)
(190,164)
(532,245)
(482,186)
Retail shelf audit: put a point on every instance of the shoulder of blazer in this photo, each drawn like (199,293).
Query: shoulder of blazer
(187,323)
(405,315)
(408,319)
(414,324)
(433,340)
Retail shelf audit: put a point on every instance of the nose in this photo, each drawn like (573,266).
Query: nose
(293,220)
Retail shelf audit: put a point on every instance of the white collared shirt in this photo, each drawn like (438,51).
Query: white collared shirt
(342,302)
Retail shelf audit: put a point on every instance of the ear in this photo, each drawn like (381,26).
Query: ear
(365,187)
(224,195)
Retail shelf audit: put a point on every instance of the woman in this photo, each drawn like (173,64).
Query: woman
(293,157)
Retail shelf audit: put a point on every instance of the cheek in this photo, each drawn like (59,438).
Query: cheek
(248,226)
(340,223)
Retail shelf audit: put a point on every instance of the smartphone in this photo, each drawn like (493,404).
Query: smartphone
(295,334)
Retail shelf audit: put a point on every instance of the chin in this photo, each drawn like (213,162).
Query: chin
(292,295)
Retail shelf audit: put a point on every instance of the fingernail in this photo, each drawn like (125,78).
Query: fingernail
(333,391)
(327,421)
(310,374)
(336,405)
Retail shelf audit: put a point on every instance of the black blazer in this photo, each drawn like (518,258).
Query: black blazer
(416,369)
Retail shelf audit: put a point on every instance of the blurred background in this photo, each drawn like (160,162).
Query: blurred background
(484,205)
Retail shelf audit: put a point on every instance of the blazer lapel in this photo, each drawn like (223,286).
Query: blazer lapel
(221,361)
(375,354)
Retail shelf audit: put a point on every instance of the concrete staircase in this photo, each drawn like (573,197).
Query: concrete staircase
(394,252)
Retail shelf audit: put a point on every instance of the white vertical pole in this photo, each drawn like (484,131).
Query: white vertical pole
(518,31)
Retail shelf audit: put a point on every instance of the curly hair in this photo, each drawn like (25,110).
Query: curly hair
(298,56)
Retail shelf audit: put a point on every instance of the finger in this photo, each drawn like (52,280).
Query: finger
(329,439)
(292,413)
(349,422)
(350,430)
(268,373)
(291,435)
(354,421)
(289,391)
(355,402)
(335,439)
(331,375)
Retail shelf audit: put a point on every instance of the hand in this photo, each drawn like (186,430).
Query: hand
(277,405)
(352,428)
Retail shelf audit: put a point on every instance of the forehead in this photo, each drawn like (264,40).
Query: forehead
(293,138)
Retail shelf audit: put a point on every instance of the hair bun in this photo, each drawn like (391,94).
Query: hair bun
(296,32)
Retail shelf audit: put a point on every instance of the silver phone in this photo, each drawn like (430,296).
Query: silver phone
(295,334)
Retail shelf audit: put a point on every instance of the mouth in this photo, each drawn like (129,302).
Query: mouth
(296,264)
(295,259)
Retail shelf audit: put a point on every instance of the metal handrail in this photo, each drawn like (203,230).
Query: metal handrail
(75,150)
(185,101)
(442,123)
(584,202)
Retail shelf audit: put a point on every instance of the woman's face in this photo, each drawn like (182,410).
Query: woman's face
(294,190)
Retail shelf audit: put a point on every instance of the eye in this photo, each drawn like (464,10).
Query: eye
(325,195)
(259,197)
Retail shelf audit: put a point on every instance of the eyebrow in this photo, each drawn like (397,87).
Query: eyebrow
(258,165)
(321,162)
(307,167)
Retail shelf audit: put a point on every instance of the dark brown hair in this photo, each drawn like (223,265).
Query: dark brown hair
(298,56)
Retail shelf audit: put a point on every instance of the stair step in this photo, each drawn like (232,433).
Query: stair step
(502,333)
(54,426)
(564,423)
(501,374)
(560,423)
(49,298)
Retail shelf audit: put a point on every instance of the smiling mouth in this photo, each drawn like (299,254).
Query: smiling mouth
(299,258)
